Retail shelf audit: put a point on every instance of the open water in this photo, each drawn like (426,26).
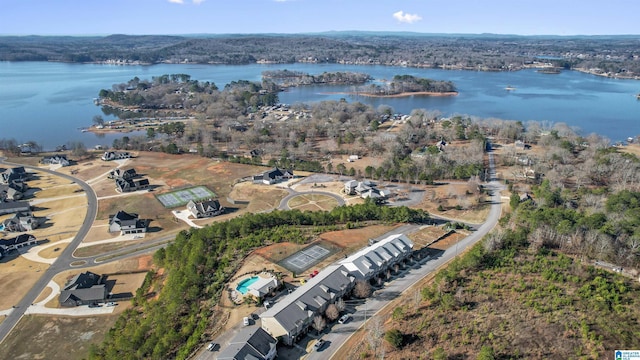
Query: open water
(49,102)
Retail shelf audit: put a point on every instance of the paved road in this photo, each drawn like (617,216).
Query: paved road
(341,332)
(62,263)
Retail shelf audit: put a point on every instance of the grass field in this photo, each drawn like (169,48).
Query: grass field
(313,202)
(183,196)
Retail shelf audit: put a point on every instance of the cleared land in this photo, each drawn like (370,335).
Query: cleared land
(313,202)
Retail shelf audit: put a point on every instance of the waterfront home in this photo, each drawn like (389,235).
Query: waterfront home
(115,155)
(124,174)
(55,160)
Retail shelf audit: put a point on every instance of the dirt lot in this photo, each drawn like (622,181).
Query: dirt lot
(18,276)
(55,337)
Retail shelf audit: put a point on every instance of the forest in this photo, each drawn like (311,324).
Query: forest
(612,55)
(528,290)
(198,264)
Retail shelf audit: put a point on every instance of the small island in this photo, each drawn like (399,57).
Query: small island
(408,85)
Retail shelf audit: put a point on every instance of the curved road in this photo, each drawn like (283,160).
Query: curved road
(63,262)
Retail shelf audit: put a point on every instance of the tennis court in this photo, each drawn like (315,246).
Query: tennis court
(183,196)
(306,258)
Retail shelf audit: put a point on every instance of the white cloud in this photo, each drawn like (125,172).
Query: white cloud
(176,1)
(403,17)
(198,2)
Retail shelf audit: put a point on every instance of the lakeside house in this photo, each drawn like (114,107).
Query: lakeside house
(83,289)
(115,155)
(56,160)
(204,209)
(22,240)
(127,223)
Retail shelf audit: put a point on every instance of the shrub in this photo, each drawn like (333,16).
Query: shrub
(395,338)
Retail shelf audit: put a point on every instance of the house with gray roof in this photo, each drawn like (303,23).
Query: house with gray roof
(83,289)
(379,257)
(115,155)
(127,174)
(14,207)
(58,159)
(204,209)
(251,343)
(127,223)
(13,191)
(273,176)
(292,316)
(18,174)
(22,240)
(128,185)
(21,221)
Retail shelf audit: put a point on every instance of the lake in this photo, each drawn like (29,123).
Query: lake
(50,102)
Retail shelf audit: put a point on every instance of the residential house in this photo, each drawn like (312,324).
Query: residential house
(127,223)
(123,174)
(376,259)
(14,207)
(350,187)
(124,185)
(12,192)
(203,209)
(251,343)
(21,221)
(83,289)
(115,155)
(55,160)
(291,317)
(16,174)
(273,176)
(22,240)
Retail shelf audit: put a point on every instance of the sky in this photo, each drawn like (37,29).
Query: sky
(522,17)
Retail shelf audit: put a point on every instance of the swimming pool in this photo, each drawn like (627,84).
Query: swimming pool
(243,286)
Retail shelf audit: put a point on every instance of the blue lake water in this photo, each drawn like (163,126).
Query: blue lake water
(49,102)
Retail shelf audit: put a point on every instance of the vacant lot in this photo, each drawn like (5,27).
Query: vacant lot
(313,202)
(55,337)
(18,276)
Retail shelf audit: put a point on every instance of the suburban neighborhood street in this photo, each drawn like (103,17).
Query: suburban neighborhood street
(63,262)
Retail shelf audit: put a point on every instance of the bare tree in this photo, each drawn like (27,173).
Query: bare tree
(319,323)
(362,289)
(332,312)
(340,305)
(375,333)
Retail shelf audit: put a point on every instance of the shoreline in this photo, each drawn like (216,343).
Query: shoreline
(404,94)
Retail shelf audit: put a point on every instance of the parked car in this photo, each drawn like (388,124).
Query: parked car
(245,321)
(111,303)
(212,346)
(94,305)
(344,318)
(319,344)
